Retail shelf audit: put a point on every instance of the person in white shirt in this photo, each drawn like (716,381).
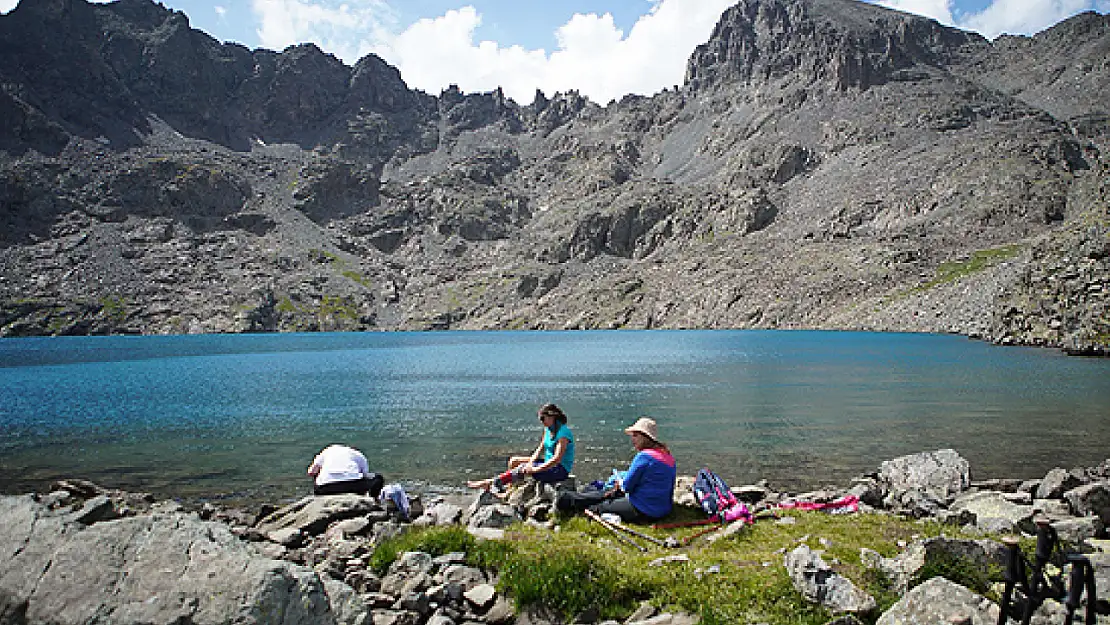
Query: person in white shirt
(342,469)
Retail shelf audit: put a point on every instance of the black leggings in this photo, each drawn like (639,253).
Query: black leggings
(371,484)
(599,503)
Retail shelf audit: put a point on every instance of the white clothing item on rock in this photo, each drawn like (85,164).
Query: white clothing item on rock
(339,463)
(396,493)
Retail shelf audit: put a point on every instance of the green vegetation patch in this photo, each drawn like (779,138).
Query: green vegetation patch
(739,579)
(114,308)
(337,307)
(983,259)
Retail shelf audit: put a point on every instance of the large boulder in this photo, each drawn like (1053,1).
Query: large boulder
(993,512)
(817,582)
(1057,482)
(158,568)
(312,515)
(941,474)
(497,516)
(1090,499)
(938,602)
(936,552)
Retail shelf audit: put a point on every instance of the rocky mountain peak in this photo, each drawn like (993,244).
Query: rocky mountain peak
(829,163)
(840,43)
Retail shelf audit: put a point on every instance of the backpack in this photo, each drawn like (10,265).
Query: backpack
(717,500)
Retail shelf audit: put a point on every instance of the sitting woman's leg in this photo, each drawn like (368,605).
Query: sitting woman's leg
(571,501)
(621,507)
(554,474)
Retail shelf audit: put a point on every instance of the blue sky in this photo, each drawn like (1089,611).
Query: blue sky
(602,48)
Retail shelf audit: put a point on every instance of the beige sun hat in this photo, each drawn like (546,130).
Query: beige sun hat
(645,426)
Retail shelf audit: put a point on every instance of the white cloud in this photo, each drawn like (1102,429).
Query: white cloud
(593,56)
(221,12)
(1015,17)
(940,10)
(339,28)
(1025,17)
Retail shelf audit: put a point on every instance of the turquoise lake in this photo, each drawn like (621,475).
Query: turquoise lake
(239,417)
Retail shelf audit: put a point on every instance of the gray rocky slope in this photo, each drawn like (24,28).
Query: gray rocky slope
(825,164)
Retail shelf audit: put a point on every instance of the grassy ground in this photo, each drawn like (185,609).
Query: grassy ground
(739,579)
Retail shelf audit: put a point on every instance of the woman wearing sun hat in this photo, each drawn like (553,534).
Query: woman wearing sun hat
(646,491)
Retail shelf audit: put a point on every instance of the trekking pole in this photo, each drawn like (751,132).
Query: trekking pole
(1013,575)
(689,539)
(646,537)
(1046,540)
(1082,576)
(593,515)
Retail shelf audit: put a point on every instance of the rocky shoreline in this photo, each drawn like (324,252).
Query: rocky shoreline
(84,554)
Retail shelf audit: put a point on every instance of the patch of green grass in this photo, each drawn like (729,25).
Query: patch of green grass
(113,307)
(980,260)
(286,306)
(59,320)
(337,307)
(356,277)
(739,579)
(958,570)
(434,541)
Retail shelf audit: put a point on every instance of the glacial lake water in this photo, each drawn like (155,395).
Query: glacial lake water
(238,417)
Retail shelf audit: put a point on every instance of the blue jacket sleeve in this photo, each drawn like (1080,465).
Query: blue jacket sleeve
(635,473)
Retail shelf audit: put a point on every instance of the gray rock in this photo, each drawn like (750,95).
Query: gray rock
(411,562)
(667,619)
(901,570)
(497,516)
(486,533)
(501,613)
(378,600)
(346,604)
(869,491)
(1052,507)
(1076,532)
(994,513)
(1101,564)
(416,601)
(481,596)
(400,584)
(290,537)
(154,569)
(936,602)
(1057,482)
(352,527)
(363,580)
(1090,499)
(440,619)
(97,509)
(447,559)
(312,515)
(394,617)
(466,576)
(942,474)
(817,582)
(441,514)
(917,504)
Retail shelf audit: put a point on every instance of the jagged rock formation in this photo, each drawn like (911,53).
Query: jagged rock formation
(826,164)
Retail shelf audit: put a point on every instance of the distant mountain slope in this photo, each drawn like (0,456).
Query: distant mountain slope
(826,164)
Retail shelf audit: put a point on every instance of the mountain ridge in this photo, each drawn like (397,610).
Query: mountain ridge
(826,164)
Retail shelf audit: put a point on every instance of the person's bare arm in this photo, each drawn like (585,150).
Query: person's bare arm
(560,449)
